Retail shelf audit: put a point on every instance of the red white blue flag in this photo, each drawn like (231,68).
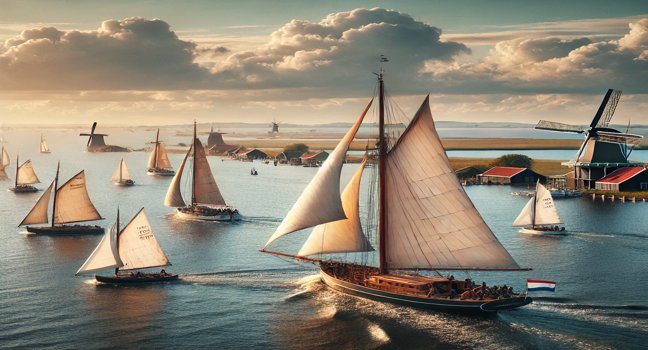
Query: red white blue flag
(540,285)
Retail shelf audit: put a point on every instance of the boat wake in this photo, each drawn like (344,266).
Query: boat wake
(261,279)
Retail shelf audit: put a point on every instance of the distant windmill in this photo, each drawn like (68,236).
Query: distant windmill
(215,138)
(275,126)
(604,149)
(95,141)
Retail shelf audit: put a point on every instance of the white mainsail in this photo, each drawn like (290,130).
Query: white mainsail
(343,235)
(26,174)
(105,254)
(174,193)
(431,222)
(44,148)
(206,190)
(526,215)
(121,173)
(73,203)
(320,202)
(159,158)
(38,214)
(5,158)
(545,209)
(137,247)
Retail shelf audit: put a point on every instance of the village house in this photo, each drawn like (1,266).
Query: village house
(503,175)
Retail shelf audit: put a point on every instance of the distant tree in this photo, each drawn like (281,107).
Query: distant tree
(513,160)
(302,147)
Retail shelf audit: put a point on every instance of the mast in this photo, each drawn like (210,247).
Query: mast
(157,146)
(382,173)
(17,167)
(120,180)
(535,205)
(193,172)
(58,166)
(117,240)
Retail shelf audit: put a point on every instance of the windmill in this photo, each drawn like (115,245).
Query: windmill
(95,141)
(215,138)
(604,149)
(275,126)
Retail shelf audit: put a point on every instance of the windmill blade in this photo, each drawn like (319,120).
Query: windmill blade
(606,109)
(562,127)
(621,138)
(94,126)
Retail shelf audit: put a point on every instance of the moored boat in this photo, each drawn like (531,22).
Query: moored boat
(425,222)
(71,204)
(539,216)
(207,202)
(132,248)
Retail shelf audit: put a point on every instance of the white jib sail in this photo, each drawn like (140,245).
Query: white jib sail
(73,203)
(343,235)
(38,214)
(206,189)
(43,146)
(138,248)
(545,209)
(526,215)
(174,193)
(431,222)
(5,158)
(320,202)
(121,173)
(105,254)
(26,174)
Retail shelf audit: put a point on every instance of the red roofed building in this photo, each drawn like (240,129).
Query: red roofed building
(250,154)
(503,175)
(633,178)
(314,159)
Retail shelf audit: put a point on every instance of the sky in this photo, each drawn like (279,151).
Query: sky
(170,62)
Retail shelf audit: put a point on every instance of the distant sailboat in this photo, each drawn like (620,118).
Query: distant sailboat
(131,248)
(425,222)
(44,148)
(71,204)
(121,176)
(254,172)
(158,162)
(25,178)
(207,203)
(4,163)
(539,216)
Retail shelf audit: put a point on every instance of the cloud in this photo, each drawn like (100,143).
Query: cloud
(536,65)
(133,53)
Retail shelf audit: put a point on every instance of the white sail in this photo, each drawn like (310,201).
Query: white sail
(73,203)
(121,173)
(205,188)
(343,235)
(545,209)
(38,214)
(105,254)
(431,222)
(138,248)
(151,159)
(26,174)
(43,146)
(159,158)
(526,215)
(5,158)
(320,202)
(174,193)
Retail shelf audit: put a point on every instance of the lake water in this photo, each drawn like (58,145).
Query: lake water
(232,296)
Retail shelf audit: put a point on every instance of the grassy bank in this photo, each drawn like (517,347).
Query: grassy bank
(540,166)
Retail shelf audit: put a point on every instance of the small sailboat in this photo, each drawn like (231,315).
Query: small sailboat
(207,202)
(71,204)
(425,221)
(158,162)
(254,172)
(44,148)
(25,178)
(121,176)
(4,163)
(132,248)
(539,216)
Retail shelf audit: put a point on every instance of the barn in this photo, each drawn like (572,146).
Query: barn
(503,175)
(627,179)
(314,159)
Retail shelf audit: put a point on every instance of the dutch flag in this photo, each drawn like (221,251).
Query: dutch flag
(540,285)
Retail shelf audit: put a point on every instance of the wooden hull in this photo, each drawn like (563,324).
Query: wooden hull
(202,216)
(446,305)
(134,279)
(125,183)
(160,172)
(66,230)
(537,231)
(24,189)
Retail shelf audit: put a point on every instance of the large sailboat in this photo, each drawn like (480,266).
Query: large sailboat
(71,204)
(25,178)
(4,163)
(121,176)
(132,248)
(44,148)
(158,162)
(539,216)
(207,202)
(425,222)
